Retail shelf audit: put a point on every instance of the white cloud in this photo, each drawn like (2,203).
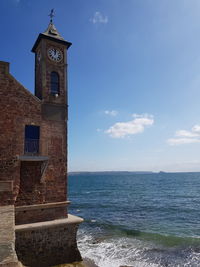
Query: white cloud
(112,113)
(99,18)
(184,133)
(135,115)
(136,126)
(196,129)
(186,137)
(181,141)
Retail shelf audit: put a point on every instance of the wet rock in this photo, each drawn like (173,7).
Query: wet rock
(89,263)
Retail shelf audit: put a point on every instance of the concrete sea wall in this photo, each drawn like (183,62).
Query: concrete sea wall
(41,244)
(49,243)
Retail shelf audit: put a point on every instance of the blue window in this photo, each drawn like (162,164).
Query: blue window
(55,83)
(32,138)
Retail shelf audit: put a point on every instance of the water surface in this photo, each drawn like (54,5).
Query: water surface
(138,219)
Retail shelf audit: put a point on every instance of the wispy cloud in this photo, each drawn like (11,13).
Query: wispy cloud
(182,141)
(99,18)
(111,113)
(136,126)
(186,137)
(184,133)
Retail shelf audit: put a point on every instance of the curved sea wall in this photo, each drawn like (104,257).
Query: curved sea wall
(48,243)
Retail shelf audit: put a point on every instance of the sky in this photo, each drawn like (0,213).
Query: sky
(133,78)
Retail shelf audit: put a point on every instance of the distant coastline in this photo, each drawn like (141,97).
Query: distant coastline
(112,172)
(126,172)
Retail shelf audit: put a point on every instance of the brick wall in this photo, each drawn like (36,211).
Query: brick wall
(40,212)
(55,175)
(18,107)
(31,190)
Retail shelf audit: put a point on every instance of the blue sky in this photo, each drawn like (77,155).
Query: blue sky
(134,78)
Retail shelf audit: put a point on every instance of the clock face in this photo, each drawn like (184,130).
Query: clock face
(55,54)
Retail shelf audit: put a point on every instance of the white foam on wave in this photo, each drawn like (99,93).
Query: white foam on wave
(106,251)
(193,260)
(113,252)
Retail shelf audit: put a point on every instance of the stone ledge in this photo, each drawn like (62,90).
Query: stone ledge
(42,206)
(33,158)
(11,264)
(49,224)
(8,257)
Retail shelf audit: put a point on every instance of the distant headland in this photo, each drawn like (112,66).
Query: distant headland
(110,172)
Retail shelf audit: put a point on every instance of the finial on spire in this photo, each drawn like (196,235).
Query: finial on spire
(51,15)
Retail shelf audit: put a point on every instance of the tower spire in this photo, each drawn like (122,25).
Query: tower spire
(51,15)
(51,33)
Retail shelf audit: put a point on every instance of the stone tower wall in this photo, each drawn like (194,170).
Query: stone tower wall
(43,69)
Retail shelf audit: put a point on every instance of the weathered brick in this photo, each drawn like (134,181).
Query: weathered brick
(18,107)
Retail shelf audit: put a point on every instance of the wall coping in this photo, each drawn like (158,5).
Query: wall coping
(49,224)
(42,206)
(33,158)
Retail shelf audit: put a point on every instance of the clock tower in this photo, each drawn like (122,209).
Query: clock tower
(33,157)
(50,51)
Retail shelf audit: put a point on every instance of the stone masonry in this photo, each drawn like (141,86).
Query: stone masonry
(56,239)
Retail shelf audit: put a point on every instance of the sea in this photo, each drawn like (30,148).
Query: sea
(137,219)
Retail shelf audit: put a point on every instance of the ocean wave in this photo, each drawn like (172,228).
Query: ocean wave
(107,251)
(160,238)
(137,219)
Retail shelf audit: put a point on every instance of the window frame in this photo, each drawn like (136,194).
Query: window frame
(31,143)
(54,83)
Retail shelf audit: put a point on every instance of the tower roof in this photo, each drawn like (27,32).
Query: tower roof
(51,33)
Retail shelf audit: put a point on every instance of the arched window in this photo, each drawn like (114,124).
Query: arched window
(55,83)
